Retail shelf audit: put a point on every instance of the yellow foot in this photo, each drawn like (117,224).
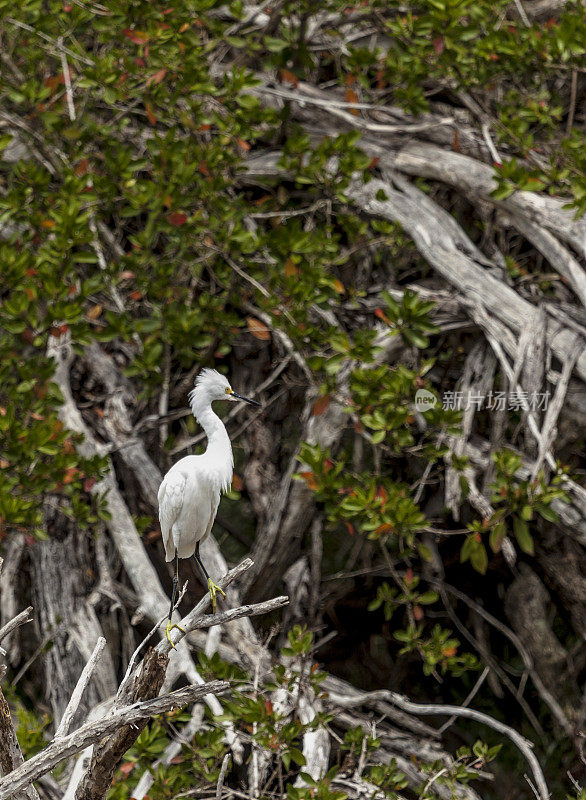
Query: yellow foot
(169,627)
(213,589)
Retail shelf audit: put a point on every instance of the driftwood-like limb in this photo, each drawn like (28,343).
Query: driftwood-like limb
(58,750)
(108,754)
(252,610)
(424,221)
(10,753)
(524,745)
(21,619)
(477,179)
(123,689)
(83,681)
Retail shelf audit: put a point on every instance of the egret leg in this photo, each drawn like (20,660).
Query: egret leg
(169,627)
(213,587)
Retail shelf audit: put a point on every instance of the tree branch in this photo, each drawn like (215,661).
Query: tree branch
(58,750)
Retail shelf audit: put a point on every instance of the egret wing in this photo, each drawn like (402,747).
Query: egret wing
(171,497)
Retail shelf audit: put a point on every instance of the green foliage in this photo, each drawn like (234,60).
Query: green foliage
(390,598)
(437,650)
(387,777)
(516,502)
(319,790)
(198,763)
(464,768)
(409,318)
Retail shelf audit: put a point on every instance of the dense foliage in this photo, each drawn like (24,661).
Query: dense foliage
(128,217)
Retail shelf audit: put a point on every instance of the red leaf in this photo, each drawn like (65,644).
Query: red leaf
(439,44)
(258,329)
(83,167)
(138,37)
(242,144)
(126,768)
(89,484)
(309,479)
(150,114)
(385,528)
(236,482)
(378,312)
(352,97)
(136,295)
(291,270)
(289,77)
(417,613)
(177,218)
(157,77)
(320,405)
(69,475)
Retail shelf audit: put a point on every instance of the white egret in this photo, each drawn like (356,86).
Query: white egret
(189,494)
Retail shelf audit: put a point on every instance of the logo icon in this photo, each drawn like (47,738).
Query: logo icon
(425,400)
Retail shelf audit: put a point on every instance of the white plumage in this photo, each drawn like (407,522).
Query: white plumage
(189,494)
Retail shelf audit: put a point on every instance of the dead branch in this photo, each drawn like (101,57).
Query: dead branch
(92,732)
(524,745)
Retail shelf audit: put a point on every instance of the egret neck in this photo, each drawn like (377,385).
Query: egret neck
(219,450)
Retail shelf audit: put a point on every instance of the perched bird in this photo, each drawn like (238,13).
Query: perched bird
(189,494)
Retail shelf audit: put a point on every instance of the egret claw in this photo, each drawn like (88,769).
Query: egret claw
(213,587)
(168,628)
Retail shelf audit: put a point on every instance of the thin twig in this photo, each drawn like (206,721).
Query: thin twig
(48,39)
(468,699)
(67,80)
(544,693)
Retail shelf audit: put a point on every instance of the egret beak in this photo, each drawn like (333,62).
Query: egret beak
(246,399)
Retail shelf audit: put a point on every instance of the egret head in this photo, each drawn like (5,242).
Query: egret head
(210,386)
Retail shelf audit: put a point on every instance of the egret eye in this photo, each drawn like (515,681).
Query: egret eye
(228,390)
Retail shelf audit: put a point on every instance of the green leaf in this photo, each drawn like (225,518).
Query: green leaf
(522,535)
